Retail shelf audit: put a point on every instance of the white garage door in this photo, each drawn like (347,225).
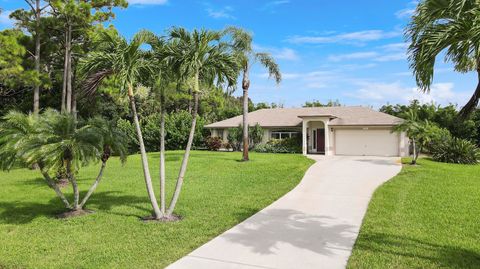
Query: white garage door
(366,142)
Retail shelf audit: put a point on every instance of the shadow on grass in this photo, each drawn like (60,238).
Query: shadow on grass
(19,212)
(448,256)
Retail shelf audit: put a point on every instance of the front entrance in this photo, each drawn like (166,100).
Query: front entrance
(321,140)
(318,140)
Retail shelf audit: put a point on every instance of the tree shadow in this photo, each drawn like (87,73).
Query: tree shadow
(448,256)
(19,212)
(265,230)
(379,161)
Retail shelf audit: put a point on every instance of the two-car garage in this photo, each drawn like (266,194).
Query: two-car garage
(366,141)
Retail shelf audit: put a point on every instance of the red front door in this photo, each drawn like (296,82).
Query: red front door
(320,140)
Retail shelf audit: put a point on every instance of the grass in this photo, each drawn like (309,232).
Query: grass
(428,216)
(219,192)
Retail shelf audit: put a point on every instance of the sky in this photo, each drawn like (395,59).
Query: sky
(351,51)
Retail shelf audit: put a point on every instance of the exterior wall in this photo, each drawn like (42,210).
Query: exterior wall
(403,144)
(215,133)
(266,135)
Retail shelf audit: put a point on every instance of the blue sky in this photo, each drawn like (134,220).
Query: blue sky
(348,50)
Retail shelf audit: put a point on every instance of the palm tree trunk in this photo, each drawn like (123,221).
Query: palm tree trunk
(189,101)
(65,70)
(76,192)
(183,167)
(143,154)
(162,155)
(414,160)
(54,186)
(69,71)
(94,186)
(245,86)
(473,102)
(36,90)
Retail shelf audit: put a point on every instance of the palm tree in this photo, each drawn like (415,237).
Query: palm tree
(17,132)
(413,129)
(114,141)
(445,25)
(247,56)
(198,57)
(161,78)
(51,140)
(127,62)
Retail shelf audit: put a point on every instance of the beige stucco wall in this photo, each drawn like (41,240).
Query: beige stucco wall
(403,141)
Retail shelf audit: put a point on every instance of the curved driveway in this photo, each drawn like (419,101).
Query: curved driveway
(313,226)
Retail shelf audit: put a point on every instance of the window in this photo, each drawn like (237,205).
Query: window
(314,134)
(284,134)
(220,133)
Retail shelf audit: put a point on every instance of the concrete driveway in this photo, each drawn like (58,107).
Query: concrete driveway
(313,226)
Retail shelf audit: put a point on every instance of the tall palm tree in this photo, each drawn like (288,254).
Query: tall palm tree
(160,82)
(247,56)
(198,57)
(127,62)
(452,26)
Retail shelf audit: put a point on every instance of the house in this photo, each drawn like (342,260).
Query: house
(343,130)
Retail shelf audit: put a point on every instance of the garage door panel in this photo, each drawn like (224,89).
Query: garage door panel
(366,142)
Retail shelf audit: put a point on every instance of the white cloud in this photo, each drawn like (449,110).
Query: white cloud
(381,93)
(405,13)
(222,13)
(408,11)
(395,47)
(391,57)
(352,37)
(352,56)
(385,53)
(272,4)
(147,2)
(5,19)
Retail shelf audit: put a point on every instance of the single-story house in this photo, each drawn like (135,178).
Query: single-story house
(343,130)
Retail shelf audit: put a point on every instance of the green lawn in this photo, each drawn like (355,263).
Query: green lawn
(426,217)
(219,192)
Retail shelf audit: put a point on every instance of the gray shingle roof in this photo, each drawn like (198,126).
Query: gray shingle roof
(291,117)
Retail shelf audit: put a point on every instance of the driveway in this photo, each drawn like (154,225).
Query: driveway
(313,226)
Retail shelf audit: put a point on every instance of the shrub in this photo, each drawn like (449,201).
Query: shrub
(213,143)
(455,150)
(235,138)
(255,135)
(128,129)
(288,145)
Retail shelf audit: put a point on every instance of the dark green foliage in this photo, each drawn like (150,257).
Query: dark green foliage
(445,117)
(177,128)
(455,150)
(287,145)
(317,103)
(235,136)
(213,143)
